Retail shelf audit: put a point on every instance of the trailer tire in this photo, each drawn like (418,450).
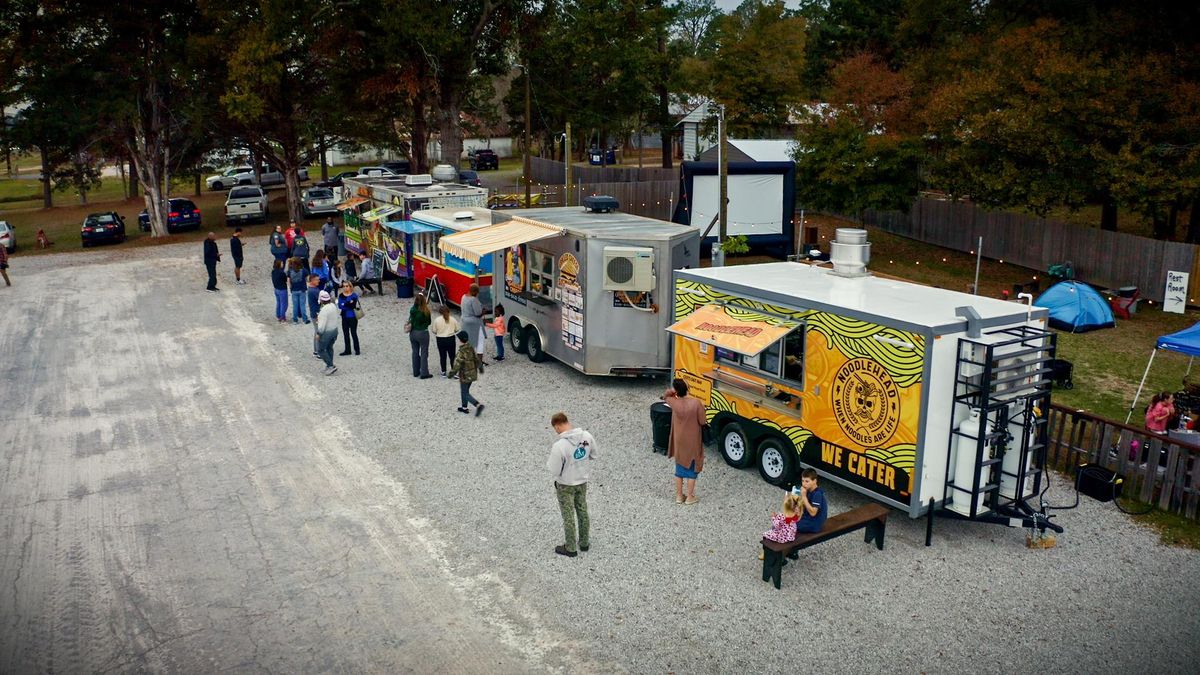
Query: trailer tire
(735,446)
(776,461)
(516,336)
(533,345)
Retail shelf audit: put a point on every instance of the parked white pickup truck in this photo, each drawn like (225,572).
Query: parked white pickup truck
(246,203)
(244,175)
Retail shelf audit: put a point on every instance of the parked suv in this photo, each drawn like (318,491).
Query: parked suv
(182,214)
(482,159)
(106,226)
(244,175)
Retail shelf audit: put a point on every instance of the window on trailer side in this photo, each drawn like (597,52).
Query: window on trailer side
(541,273)
(426,245)
(782,360)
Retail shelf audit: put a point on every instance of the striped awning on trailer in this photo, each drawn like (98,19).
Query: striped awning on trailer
(471,245)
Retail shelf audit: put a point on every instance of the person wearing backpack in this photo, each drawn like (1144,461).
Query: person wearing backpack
(467,367)
(300,245)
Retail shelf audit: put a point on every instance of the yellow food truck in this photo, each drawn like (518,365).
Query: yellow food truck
(922,398)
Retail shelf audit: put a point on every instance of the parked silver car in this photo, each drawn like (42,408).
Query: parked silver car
(318,201)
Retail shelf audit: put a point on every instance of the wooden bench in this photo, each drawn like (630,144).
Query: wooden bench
(873,517)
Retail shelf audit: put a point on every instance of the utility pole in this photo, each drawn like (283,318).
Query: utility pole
(528,113)
(718,254)
(567,162)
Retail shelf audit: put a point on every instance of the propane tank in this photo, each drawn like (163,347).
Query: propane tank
(1011,464)
(965,443)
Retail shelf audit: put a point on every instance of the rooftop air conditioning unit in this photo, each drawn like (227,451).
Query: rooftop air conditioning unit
(628,268)
(415,179)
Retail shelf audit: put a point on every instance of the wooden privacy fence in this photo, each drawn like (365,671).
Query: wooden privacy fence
(1100,257)
(551,172)
(1156,469)
(653,199)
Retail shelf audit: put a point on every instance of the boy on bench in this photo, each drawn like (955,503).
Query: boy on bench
(813,506)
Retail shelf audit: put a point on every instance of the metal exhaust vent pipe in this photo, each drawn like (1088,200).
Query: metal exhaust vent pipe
(850,252)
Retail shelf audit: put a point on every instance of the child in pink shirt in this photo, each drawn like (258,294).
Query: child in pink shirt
(501,329)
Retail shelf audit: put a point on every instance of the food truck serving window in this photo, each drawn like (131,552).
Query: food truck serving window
(541,273)
(782,360)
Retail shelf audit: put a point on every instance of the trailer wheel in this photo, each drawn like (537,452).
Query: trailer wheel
(776,462)
(735,446)
(533,345)
(516,336)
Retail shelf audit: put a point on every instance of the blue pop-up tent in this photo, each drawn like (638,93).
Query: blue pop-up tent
(1186,341)
(1076,307)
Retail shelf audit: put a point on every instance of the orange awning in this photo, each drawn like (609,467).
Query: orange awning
(740,330)
(351,203)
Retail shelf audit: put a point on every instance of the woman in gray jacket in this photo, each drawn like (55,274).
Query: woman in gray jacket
(472,318)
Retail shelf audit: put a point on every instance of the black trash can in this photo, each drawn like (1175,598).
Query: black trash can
(660,425)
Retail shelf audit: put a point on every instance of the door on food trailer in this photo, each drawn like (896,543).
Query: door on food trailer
(542,286)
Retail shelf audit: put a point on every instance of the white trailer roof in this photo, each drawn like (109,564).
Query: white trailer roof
(804,285)
(448,218)
(614,225)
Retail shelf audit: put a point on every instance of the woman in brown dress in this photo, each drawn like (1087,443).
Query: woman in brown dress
(686,444)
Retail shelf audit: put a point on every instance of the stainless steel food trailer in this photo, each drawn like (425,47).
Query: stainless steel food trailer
(592,290)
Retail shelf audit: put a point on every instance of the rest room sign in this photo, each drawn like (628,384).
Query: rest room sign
(1175,296)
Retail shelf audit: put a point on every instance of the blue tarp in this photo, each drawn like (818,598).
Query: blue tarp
(409,226)
(1076,307)
(1186,341)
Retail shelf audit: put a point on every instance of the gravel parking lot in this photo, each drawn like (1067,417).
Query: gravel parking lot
(183,490)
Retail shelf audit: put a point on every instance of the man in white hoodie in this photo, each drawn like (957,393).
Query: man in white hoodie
(570,463)
(327,330)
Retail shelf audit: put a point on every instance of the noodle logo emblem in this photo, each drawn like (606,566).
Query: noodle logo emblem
(866,402)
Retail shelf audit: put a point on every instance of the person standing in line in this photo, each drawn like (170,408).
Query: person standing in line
(290,236)
(327,331)
(279,281)
(279,247)
(472,318)
(313,291)
(211,257)
(686,443)
(320,267)
(235,251)
(347,302)
(467,368)
(296,284)
(501,329)
(418,336)
(299,246)
(351,266)
(336,275)
(570,463)
(4,265)
(329,235)
(444,328)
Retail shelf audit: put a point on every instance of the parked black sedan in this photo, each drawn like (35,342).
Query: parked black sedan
(99,227)
(182,214)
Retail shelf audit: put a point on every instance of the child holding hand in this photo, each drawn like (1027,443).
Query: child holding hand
(497,325)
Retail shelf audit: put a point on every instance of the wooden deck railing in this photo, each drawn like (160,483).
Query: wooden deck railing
(1156,469)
